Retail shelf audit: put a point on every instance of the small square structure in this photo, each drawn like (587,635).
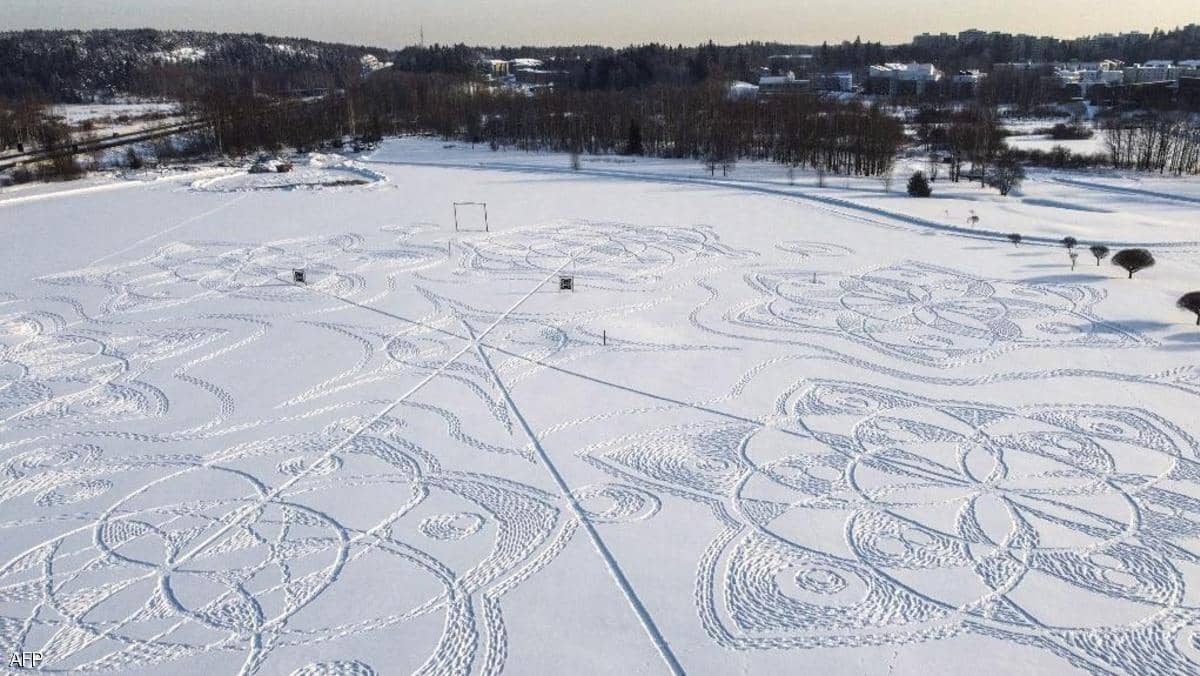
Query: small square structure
(298,276)
(566,283)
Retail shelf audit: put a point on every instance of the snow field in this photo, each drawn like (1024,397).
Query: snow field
(829,428)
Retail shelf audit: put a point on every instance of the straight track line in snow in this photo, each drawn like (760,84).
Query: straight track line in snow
(239,515)
(277,491)
(552,367)
(610,561)
(187,221)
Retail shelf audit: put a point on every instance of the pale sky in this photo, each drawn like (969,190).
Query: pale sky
(395,23)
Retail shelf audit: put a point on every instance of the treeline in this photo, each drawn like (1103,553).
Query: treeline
(1154,141)
(678,121)
(593,67)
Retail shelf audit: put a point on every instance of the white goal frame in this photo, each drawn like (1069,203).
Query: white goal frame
(486,228)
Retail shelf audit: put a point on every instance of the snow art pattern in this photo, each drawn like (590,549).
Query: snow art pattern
(165,513)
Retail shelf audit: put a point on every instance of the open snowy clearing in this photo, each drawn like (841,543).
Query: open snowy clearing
(775,428)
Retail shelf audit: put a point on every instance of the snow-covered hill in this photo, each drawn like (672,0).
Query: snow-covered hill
(77,65)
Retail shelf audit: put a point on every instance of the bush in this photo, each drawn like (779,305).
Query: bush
(918,185)
(1070,132)
(132,159)
(1059,157)
(1015,238)
(64,167)
(21,175)
(1133,260)
(1191,302)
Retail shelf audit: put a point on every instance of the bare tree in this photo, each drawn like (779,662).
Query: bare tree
(1008,174)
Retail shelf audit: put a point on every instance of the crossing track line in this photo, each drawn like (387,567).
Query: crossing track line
(614,569)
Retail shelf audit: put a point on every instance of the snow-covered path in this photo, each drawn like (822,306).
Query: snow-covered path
(775,427)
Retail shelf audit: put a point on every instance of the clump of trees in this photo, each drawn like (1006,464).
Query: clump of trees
(1008,174)
(1191,302)
(918,185)
(1059,157)
(1162,141)
(1133,260)
(1070,131)
(26,124)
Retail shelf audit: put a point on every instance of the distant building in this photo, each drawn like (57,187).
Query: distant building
(833,82)
(1088,74)
(932,41)
(1151,71)
(494,67)
(742,91)
(964,83)
(972,35)
(516,64)
(902,79)
(787,84)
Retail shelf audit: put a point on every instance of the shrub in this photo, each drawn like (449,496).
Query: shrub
(1015,238)
(1070,132)
(132,159)
(21,175)
(1191,302)
(64,167)
(918,185)
(1133,260)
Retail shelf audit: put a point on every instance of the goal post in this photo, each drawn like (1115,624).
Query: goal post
(468,216)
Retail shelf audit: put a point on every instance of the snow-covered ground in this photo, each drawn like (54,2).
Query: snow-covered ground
(78,113)
(1096,145)
(774,428)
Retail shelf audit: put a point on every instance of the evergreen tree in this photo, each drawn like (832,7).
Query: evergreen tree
(918,185)
(633,145)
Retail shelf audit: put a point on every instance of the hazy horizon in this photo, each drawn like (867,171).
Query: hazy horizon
(541,22)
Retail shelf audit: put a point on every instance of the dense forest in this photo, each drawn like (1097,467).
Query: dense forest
(68,66)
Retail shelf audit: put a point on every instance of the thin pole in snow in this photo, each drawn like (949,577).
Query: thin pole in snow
(604,337)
